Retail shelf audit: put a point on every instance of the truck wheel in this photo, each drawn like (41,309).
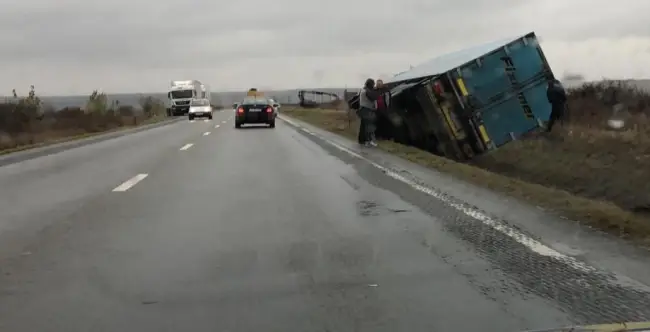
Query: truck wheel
(191,117)
(210,117)
(468,151)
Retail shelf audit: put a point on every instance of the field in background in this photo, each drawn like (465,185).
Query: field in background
(230,97)
(223,98)
(583,170)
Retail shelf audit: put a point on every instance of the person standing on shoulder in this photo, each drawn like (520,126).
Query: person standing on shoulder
(383,102)
(556,95)
(361,137)
(367,112)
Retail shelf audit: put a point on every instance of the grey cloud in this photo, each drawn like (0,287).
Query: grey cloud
(318,75)
(615,24)
(123,36)
(131,32)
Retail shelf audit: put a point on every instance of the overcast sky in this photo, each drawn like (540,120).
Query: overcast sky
(74,46)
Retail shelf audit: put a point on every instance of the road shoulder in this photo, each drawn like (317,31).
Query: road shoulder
(567,237)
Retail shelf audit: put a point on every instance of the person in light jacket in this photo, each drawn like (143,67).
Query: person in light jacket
(367,112)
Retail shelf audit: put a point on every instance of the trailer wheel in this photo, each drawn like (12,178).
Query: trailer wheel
(468,151)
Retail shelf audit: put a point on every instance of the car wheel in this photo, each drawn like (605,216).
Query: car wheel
(237,125)
(272,124)
(210,117)
(191,117)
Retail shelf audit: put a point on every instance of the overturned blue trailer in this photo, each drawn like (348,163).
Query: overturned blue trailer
(466,103)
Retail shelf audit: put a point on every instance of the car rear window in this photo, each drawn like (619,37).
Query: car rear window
(200,102)
(251,101)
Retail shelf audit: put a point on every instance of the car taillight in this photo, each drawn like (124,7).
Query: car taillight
(269,109)
(240,110)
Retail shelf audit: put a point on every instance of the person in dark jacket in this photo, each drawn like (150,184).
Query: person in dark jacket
(556,95)
(383,103)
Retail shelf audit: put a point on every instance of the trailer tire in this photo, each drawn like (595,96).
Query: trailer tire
(468,151)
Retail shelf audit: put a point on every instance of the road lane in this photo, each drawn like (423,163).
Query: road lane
(271,229)
(38,192)
(128,184)
(186,146)
(258,229)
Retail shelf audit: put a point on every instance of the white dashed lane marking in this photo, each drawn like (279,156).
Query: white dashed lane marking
(186,146)
(217,126)
(206,133)
(128,184)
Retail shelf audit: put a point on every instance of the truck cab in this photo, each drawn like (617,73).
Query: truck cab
(181,94)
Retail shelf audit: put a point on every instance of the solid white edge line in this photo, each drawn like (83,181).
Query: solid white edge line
(186,146)
(206,133)
(516,235)
(128,184)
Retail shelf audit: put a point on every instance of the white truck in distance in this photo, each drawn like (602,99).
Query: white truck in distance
(181,94)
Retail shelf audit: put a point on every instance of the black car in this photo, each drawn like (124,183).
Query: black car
(255,110)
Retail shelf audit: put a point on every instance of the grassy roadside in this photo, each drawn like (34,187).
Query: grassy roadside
(65,139)
(603,214)
(27,123)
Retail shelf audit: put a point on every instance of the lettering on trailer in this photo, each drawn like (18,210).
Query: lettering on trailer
(510,73)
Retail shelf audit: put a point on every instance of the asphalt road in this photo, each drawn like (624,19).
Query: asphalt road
(202,227)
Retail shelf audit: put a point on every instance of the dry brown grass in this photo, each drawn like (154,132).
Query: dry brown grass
(581,172)
(28,141)
(25,123)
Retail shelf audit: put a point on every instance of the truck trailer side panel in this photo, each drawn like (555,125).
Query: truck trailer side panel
(506,120)
(506,90)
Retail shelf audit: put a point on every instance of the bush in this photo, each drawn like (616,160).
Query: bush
(26,120)
(592,104)
(97,103)
(152,107)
